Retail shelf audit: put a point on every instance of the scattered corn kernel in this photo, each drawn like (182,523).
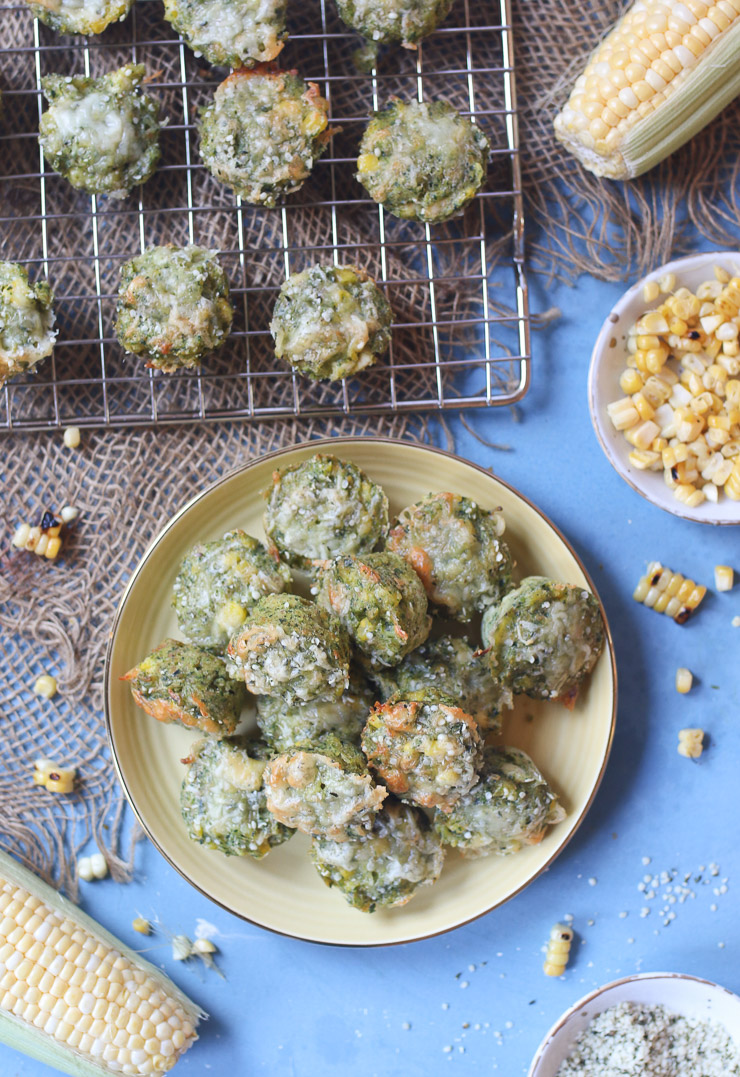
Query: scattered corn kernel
(45,539)
(681,353)
(72,437)
(668,592)
(690,743)
(724,577)
(182,948)
(204,946)
(558,950)
(45,686)
(69,513)
(55,779)
(92,867)
(684,680)
(142,926)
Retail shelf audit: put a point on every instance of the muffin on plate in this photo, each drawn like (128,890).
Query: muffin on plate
(283,725)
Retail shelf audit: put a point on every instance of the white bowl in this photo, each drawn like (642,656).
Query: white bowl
(607,363)
(687,995)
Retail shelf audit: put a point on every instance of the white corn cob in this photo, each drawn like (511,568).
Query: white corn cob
(665,70)
(74,997)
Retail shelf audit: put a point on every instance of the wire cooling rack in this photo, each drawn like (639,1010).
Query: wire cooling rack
(458,290)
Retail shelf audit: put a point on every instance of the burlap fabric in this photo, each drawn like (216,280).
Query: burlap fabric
(56,616)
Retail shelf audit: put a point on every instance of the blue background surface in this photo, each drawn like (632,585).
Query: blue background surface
(476,1000)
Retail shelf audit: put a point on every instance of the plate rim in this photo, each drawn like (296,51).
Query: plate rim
(695,260)
(331,444)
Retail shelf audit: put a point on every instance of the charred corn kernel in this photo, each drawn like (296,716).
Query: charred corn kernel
(690,743)
(72,437)
(45,686)
(724,577)
(42,768)
(631,382)
(558,950)
(142,926)
(684,680)
(367,162)
(668,592)
(61,780)
(81,1004)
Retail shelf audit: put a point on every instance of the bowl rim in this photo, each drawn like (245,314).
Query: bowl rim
(332,444)
(598,353)
(586,999)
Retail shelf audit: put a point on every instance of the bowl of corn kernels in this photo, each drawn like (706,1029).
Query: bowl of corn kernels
(664,387)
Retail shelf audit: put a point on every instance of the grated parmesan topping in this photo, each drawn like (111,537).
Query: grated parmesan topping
(631,1040)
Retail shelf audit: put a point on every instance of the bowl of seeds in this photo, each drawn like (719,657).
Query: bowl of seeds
(655,1024)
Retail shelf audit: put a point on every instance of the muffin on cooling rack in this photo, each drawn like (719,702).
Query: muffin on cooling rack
(512,805)
(231,33)
(544,638)
(26,321)
(263,132)
(422,160)
(386,21)
(321,508)
(330,322)
(288,647)
(218,583)
(380,601)
(173,306)
(80,16)
(386,865)
(456,548)
(222,799)
(101,134)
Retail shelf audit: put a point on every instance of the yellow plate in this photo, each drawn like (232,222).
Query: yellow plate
(283,892)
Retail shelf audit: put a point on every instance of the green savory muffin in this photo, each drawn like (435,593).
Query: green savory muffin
(385,866)
(218,583)
(188,685)
(456,548)
(289,648)
(80,16)
(426,750)
(544,639)
(101,134)
(26,321)
(422,160)
(223,802)
(263,132)
(450,666)
(230,33)
(284,725)
(323,508)
(323,787)
(512,805)
(380,601)
(173,306)
(330,322)
(386,21)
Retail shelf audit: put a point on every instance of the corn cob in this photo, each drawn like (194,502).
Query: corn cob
(74,997)
(664,71)
(668,592)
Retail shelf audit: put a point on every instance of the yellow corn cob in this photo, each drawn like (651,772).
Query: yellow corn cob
(664,71)
(668,592)
(74,997)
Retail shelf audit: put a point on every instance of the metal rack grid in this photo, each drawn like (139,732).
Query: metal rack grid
(458,290)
